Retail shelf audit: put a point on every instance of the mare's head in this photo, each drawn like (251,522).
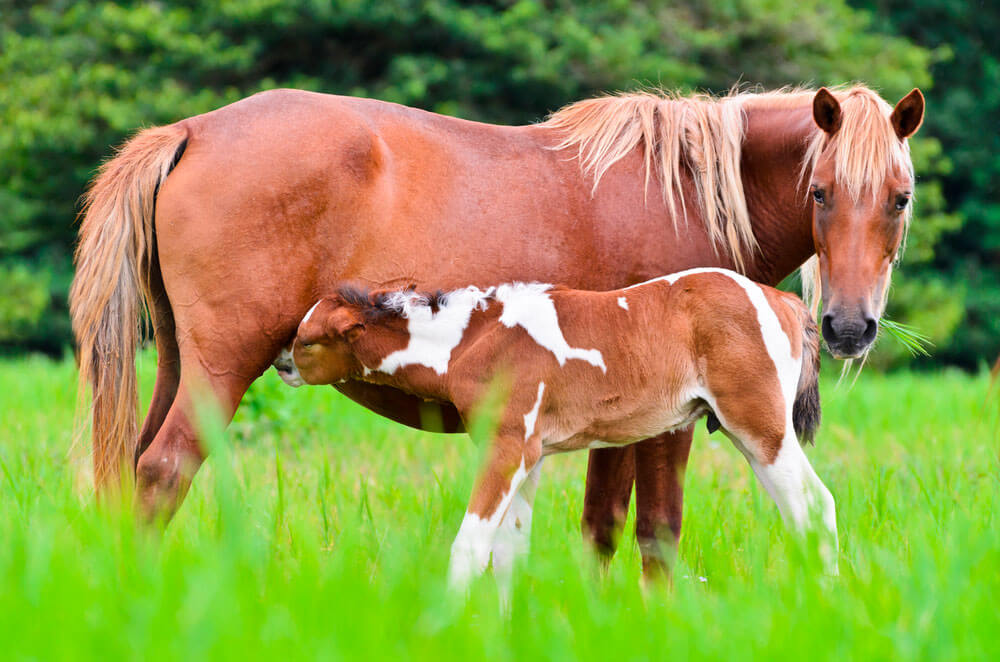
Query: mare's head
(860,189)
(322,351)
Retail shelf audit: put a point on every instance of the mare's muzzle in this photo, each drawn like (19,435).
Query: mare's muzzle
(849,333)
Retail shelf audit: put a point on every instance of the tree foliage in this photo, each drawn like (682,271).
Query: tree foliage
(964,115)
(78,77)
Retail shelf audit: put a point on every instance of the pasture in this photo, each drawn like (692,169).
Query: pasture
(317,529)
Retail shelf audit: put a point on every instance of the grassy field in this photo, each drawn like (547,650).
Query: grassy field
(319,530)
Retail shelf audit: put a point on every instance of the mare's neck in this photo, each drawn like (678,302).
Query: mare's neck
(777,201)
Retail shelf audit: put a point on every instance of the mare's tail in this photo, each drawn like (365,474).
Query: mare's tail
(114,261)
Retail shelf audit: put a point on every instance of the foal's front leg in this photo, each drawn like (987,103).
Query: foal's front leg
(511,461)
(513,538)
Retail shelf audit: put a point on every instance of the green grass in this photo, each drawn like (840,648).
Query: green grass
(320,530)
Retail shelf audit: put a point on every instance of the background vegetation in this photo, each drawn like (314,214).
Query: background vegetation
(317,529)
(77,77)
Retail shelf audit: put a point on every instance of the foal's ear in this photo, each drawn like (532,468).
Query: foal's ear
(826,111)
(346,322)
(908,114)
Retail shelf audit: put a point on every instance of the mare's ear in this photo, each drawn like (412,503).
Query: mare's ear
(826,111)
(908,114)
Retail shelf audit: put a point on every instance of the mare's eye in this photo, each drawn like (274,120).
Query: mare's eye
(819,196)
(901,202)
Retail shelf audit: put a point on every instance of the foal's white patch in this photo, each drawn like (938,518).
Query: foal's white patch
(433,336)
(309,314)
(623,302)
(532,416)
(530,306)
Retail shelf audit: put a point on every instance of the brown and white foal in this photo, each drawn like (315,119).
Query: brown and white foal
(585,370)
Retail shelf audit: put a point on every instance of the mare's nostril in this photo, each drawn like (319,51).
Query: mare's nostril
(828,331)
(871,328)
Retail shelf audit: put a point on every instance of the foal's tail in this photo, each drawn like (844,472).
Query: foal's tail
(114,263)
(806,410)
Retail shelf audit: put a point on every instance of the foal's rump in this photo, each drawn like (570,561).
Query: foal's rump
(758,352)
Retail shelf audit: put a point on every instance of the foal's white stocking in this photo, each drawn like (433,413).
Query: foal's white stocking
(470,553)
(513,538)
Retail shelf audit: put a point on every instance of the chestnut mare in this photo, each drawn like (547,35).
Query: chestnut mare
(227,226)
(587,370)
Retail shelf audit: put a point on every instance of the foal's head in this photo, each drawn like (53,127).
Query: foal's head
(861,189)
(323,351)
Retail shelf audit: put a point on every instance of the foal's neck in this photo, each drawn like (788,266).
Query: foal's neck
(384,337)
(777,200)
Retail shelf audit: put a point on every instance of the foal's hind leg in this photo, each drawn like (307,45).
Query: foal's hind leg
(803,499)
(765,435)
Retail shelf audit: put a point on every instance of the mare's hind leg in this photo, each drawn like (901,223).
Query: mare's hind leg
(166,467)
(168,375)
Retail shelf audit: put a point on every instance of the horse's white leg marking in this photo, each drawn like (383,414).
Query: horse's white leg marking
(513,538)
(801,496)
(530,307)
(470,553)
(532,416)
(623,302)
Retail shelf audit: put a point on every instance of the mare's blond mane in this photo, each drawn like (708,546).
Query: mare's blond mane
(703,135)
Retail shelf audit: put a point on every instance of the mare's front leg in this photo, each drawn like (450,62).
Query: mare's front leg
(511,462)
(610,475)
(660,463)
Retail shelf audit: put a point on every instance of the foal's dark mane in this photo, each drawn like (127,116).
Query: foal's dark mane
(382,304)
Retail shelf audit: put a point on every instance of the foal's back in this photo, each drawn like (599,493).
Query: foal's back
(615,367)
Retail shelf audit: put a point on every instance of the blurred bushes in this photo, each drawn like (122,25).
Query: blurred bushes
(77,78)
